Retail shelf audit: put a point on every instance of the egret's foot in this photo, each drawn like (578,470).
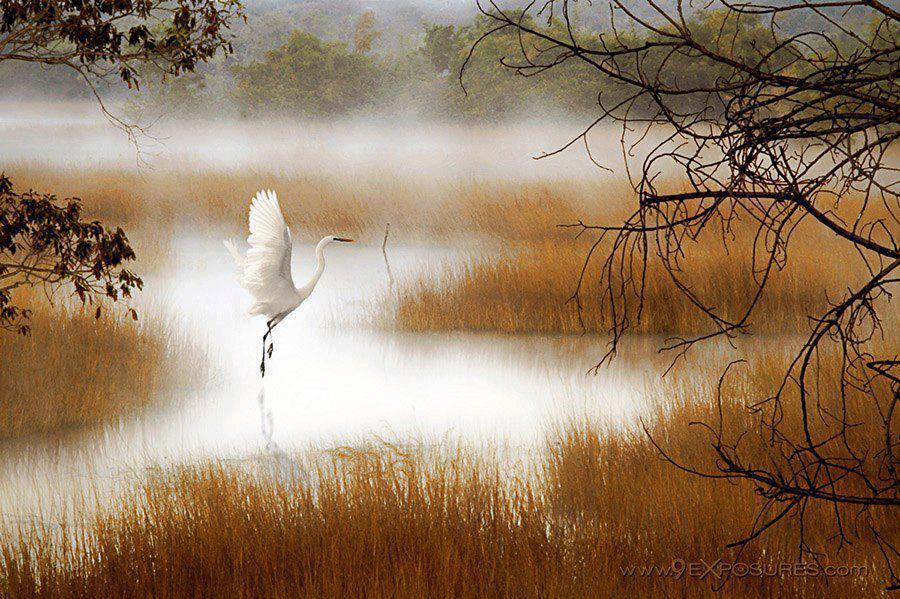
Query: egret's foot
(262,367)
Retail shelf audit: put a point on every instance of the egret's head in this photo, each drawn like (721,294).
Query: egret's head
(342,239)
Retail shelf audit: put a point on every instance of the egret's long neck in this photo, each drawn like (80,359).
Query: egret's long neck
(320,265)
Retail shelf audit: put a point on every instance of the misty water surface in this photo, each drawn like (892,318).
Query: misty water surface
(334,377)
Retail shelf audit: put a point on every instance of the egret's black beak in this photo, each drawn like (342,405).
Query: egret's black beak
(344,239)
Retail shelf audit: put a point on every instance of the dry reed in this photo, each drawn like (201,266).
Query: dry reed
(75,370)
(313,204)
(392,522)
(528,288)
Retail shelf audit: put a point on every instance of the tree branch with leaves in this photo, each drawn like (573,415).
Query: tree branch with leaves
(44,241)
(106,41)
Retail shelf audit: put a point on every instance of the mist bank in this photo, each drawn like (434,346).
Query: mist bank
(45,134)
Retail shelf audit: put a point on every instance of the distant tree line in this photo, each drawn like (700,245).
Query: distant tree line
(326,65)
(308,76)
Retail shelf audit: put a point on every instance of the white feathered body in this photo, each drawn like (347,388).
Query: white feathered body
(265,271)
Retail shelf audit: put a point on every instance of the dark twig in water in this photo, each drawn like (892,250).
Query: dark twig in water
(387,265)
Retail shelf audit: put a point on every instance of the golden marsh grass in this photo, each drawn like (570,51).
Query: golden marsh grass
(406,523)
(395,522)
(527,288)
(315,205)
(75,370)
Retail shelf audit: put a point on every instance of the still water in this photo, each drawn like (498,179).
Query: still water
(336,378)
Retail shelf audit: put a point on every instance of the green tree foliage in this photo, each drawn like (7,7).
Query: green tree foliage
(731,35)
(309,76)
(441,46)
(491,91)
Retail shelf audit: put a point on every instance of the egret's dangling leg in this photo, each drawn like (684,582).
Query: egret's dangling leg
(262,364)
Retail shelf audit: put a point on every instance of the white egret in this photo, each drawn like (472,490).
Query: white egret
(266,269)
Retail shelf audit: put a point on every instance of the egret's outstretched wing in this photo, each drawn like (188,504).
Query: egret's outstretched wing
(267,265)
